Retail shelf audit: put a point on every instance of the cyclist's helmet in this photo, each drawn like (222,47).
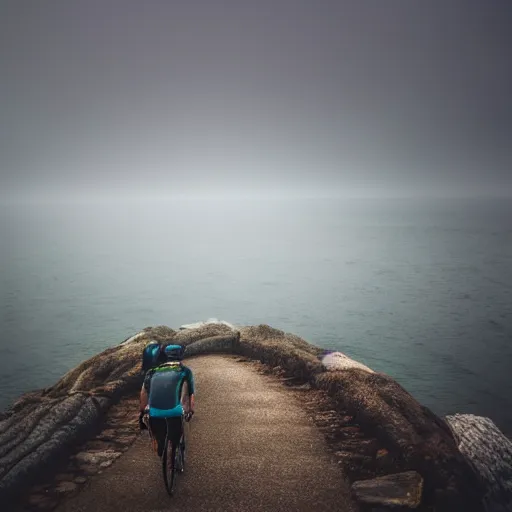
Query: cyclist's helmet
(174,352)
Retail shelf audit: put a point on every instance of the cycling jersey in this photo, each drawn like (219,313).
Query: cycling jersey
(164,385)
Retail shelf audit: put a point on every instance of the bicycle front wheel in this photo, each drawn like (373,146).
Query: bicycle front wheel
(169,466)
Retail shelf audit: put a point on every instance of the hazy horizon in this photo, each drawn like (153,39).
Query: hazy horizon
(349,98)
(92,196)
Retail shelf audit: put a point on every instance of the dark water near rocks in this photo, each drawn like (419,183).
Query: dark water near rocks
(419,289)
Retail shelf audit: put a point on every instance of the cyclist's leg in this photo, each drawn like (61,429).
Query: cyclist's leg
(175,429)
(174,433)
(159,432)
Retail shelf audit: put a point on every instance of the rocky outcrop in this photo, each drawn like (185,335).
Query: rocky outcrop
(490,453)
(225,343)
(422,440)
(42,427)
(41,436)
(188,336)
(120,430)
(297,358)
(400,434)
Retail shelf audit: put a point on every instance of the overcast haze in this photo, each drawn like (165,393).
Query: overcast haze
(395,96)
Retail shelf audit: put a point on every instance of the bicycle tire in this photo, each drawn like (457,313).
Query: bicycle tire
(182,458)
(182,449)
(179,460)
(169,466)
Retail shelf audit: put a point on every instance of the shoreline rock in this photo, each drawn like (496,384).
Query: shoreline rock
(42,427)
(118,432)
(489,452)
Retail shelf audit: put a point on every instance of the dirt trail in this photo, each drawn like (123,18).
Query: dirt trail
(251,447)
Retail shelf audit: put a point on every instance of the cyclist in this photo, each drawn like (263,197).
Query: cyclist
(160,397)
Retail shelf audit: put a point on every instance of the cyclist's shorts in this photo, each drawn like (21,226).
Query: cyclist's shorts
(159,428)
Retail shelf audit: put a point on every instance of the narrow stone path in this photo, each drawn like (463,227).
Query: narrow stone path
(251,447)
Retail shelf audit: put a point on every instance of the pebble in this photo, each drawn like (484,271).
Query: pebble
(95,457)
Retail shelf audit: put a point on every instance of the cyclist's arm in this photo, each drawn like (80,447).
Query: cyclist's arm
(190,388)
(143,399)
(144,392)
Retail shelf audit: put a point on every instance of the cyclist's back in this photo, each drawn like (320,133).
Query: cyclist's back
(164,385)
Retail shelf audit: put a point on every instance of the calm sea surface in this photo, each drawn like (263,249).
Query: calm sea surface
(419,289)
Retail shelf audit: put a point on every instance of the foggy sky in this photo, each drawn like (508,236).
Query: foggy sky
(165,96)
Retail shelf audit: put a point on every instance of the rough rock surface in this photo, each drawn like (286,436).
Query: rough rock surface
(224,343)
(337,361)
(39,437)
(187,336)
(210,321)
(297,357)
(490,453)
(422,440)
(396,490)
(120,430)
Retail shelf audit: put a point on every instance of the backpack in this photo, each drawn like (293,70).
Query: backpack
(151,356)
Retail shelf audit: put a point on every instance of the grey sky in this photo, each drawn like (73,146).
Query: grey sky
(325,95)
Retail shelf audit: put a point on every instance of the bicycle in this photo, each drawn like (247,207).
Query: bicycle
(173,459)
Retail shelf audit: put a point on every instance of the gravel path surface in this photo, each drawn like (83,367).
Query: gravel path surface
(251,447)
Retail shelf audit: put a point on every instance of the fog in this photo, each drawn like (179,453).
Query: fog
(287,97)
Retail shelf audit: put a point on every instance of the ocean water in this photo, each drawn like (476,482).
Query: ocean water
(420,289)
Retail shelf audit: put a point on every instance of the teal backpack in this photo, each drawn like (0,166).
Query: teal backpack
(151,356)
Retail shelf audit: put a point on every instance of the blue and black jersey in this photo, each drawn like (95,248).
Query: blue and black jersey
(164,385)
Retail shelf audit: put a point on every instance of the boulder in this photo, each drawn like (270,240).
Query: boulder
(489,452)
(401,489)
(334,361)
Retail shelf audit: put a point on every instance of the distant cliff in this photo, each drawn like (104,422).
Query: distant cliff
(42,427)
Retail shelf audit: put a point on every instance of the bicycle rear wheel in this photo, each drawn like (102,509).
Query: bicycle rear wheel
(181,466)
(169,465)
